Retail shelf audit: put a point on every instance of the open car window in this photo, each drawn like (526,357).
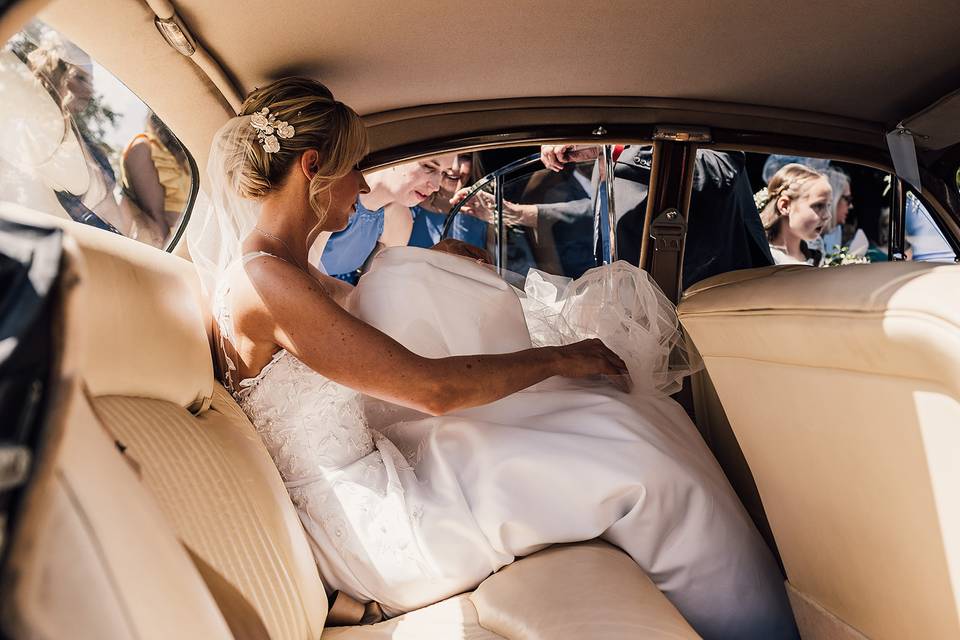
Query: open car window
(856,224)
(77,144)
(558,222)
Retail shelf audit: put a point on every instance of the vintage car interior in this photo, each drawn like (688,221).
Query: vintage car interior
(137,498)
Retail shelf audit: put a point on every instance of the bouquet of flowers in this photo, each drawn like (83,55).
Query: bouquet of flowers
(841,257)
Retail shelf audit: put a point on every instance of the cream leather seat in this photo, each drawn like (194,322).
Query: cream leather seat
(842,388)
(198,476)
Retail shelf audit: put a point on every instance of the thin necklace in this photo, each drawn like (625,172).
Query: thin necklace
(292,255)
(287,247)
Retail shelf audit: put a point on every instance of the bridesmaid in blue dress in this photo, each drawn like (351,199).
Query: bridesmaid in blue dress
(382,216)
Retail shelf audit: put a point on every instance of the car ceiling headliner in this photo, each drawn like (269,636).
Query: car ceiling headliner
(870,61)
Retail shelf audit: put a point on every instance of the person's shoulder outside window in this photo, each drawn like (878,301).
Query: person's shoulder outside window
(347,250)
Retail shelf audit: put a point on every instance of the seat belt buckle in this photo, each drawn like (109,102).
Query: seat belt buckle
(667,231)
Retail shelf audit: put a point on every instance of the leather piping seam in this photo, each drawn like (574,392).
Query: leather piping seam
(877,374)
(892,314)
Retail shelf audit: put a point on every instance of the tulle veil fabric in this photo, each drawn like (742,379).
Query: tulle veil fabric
(624,307)
(226,217)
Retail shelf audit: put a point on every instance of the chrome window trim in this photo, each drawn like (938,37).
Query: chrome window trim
(191,203)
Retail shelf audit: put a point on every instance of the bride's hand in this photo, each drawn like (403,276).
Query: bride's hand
(591,357)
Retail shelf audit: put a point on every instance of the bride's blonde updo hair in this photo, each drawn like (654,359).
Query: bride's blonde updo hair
(320,122)
(788,182)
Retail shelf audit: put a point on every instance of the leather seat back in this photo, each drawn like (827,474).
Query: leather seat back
(842,388)
(145,358)
(91,556)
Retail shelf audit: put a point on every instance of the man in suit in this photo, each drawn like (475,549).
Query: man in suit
(724,232)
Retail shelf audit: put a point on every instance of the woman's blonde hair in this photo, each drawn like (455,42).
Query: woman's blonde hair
(787,182)
(320,122)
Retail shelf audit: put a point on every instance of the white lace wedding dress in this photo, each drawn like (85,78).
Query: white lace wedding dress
(406,509)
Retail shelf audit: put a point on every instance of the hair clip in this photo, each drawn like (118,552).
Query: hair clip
(269,128)
(761,198)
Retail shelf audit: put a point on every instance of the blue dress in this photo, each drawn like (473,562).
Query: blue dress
(347,250)
(427,227)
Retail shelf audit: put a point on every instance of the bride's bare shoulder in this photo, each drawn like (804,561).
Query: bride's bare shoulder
(246,281)
(336,289)
(266,287)
(267,276)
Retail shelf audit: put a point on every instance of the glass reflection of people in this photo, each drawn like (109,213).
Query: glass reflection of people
(922,234)
(155,176)
(549,220)
(67,73)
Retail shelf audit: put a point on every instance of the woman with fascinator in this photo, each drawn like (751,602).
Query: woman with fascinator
(434,423)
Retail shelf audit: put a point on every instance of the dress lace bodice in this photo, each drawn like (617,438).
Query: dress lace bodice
(309,424)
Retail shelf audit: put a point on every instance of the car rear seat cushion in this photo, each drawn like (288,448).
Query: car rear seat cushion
(843,388)
(587,590)
(566,592)
(453,618)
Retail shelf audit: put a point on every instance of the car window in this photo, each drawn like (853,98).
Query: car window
(925,240)
(852,224)
(76,143)
(820,211)
(558,222)
(555,221)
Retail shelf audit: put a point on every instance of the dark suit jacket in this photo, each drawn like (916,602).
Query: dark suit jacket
(724,232)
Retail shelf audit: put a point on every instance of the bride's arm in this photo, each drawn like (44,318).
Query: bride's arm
(337,289)
(289,308)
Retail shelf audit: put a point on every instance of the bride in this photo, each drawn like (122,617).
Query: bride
(423,438)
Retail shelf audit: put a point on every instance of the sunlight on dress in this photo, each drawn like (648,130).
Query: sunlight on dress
(407,509)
